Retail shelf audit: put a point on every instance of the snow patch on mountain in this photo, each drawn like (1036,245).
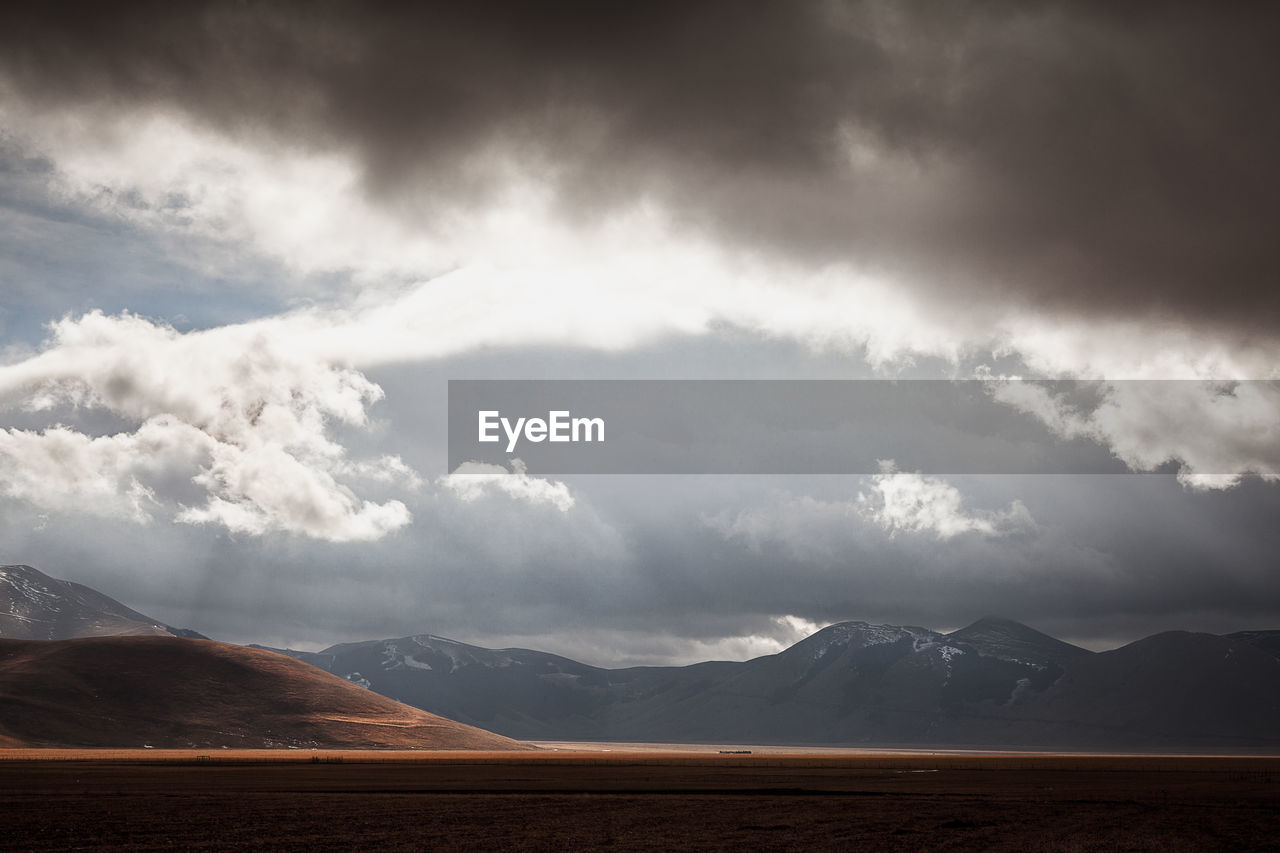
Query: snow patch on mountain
(857,635)
(460,654)
(358,680)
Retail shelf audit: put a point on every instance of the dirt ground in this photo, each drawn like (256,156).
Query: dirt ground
(634,800)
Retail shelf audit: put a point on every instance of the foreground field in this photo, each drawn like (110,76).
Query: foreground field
(634,799)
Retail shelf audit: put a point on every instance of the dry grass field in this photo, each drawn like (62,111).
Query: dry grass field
(575,796)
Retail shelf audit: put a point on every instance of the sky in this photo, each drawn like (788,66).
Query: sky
(244,246)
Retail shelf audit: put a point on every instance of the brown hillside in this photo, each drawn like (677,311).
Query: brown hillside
(181,693)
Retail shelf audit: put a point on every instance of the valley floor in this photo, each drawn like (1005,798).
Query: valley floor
(633,799)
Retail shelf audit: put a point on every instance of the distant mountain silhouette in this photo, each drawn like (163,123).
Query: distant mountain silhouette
(34,606)
(1175,687)
(993,683)
(1268,641)
(1009,640)
(181,693)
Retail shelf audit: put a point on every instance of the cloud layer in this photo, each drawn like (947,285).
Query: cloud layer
(246,413)
(1076,160)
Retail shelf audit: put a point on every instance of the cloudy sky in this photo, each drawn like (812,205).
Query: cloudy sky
(244,246)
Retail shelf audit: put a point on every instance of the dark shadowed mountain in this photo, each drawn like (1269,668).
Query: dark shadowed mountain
(173,692)
(1268,641)
(1009,640)
(515,689)
(34,606)
(851,682)
(1193,690)
(993,683)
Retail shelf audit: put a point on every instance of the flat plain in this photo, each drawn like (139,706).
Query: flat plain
(635,797)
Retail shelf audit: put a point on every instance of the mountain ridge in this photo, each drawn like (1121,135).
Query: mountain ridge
(990,683)
(35,606)
(995,682)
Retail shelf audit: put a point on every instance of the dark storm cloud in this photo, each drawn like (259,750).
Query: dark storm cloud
(1073,157)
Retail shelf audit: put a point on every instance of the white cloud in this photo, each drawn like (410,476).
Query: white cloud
(388,470)
(64,470)
(1057,346)
(1215,432)
(304,208)
(842,532)
(234,409)
(263,488)
(913,503)
(474,480)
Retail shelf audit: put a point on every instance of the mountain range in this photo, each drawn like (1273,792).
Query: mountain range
(995,683)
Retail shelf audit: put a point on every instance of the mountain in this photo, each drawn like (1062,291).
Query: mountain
(34,606)
(515,690)
(993,683)
(1009,640)
(852,682)
(1175,688)
(849,682)
(1268,641)
(186,693)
